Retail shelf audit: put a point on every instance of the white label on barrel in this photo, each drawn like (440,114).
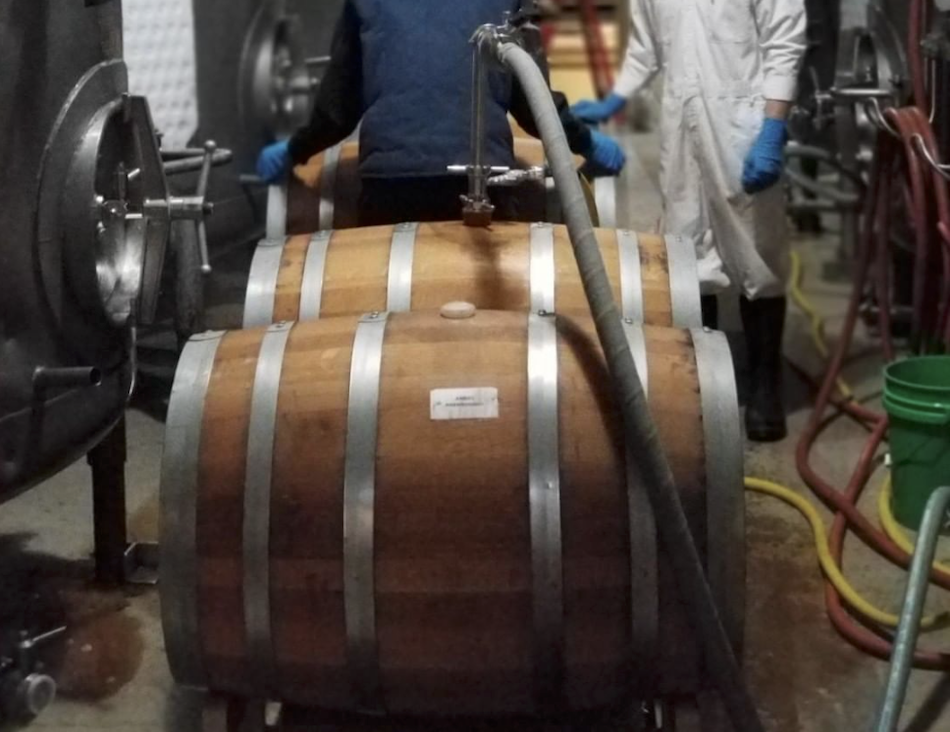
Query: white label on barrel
(449,404)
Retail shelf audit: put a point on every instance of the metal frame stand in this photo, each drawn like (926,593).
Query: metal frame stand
(117,561)
(107,462)
(223,713)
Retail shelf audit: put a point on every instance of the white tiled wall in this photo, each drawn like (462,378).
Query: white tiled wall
(160,54)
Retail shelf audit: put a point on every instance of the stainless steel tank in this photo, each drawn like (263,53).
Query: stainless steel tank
(61,63)
(238,65)
(252,88)
(84,221)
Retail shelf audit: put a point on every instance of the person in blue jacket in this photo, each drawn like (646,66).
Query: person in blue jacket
(402,71)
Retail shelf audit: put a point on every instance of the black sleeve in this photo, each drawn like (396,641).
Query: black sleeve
(578,134)
(338,107)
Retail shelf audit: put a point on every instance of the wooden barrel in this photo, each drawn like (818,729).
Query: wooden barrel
(325,193)
(422,266)
(322,194)
(419,515)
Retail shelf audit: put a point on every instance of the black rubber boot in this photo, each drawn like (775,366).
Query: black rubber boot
(764,323)
(710,305)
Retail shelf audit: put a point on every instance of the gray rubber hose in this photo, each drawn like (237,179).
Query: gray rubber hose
(640,430)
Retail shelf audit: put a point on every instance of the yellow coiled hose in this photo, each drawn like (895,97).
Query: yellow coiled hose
(828,566)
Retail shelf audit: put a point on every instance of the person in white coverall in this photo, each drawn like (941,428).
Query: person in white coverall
(730,70)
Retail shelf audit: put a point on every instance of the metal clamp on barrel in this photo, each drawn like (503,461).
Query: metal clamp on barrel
(544,479)
(359,507)
(257,502)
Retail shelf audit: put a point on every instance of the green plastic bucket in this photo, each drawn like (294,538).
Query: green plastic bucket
(917,398)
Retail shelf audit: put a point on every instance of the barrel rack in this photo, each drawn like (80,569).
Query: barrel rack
(116,560)
(229,714)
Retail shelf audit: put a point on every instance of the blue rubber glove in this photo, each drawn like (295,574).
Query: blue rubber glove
(274,163)
(604,156)
(597,112)
(766,160)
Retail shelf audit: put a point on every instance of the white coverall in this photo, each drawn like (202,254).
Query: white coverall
(721,60)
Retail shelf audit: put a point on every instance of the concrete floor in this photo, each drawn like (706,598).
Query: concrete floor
(111,667)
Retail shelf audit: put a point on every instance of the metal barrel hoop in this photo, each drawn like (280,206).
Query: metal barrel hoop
(631,275)
(314,272)
(401,258)
(359,508)
(276,223)
(258,482)
(262,283)
(328,185)
(644,552)
(725,470)
(684,278)
(178,559)
(544,483)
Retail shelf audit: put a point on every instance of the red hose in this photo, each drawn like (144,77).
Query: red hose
(915,53)
(919,119)
(941,194)
(857,635)
(861,415)
(870,534)
(883,264)
(548,31)
(600,65)
(598,59)
(932,284)
(924,307)
(926,194)
(875,248)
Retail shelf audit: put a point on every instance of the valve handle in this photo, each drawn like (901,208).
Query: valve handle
(27,643)
(196,207)
(210,148)
(485,169)
(202,192)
